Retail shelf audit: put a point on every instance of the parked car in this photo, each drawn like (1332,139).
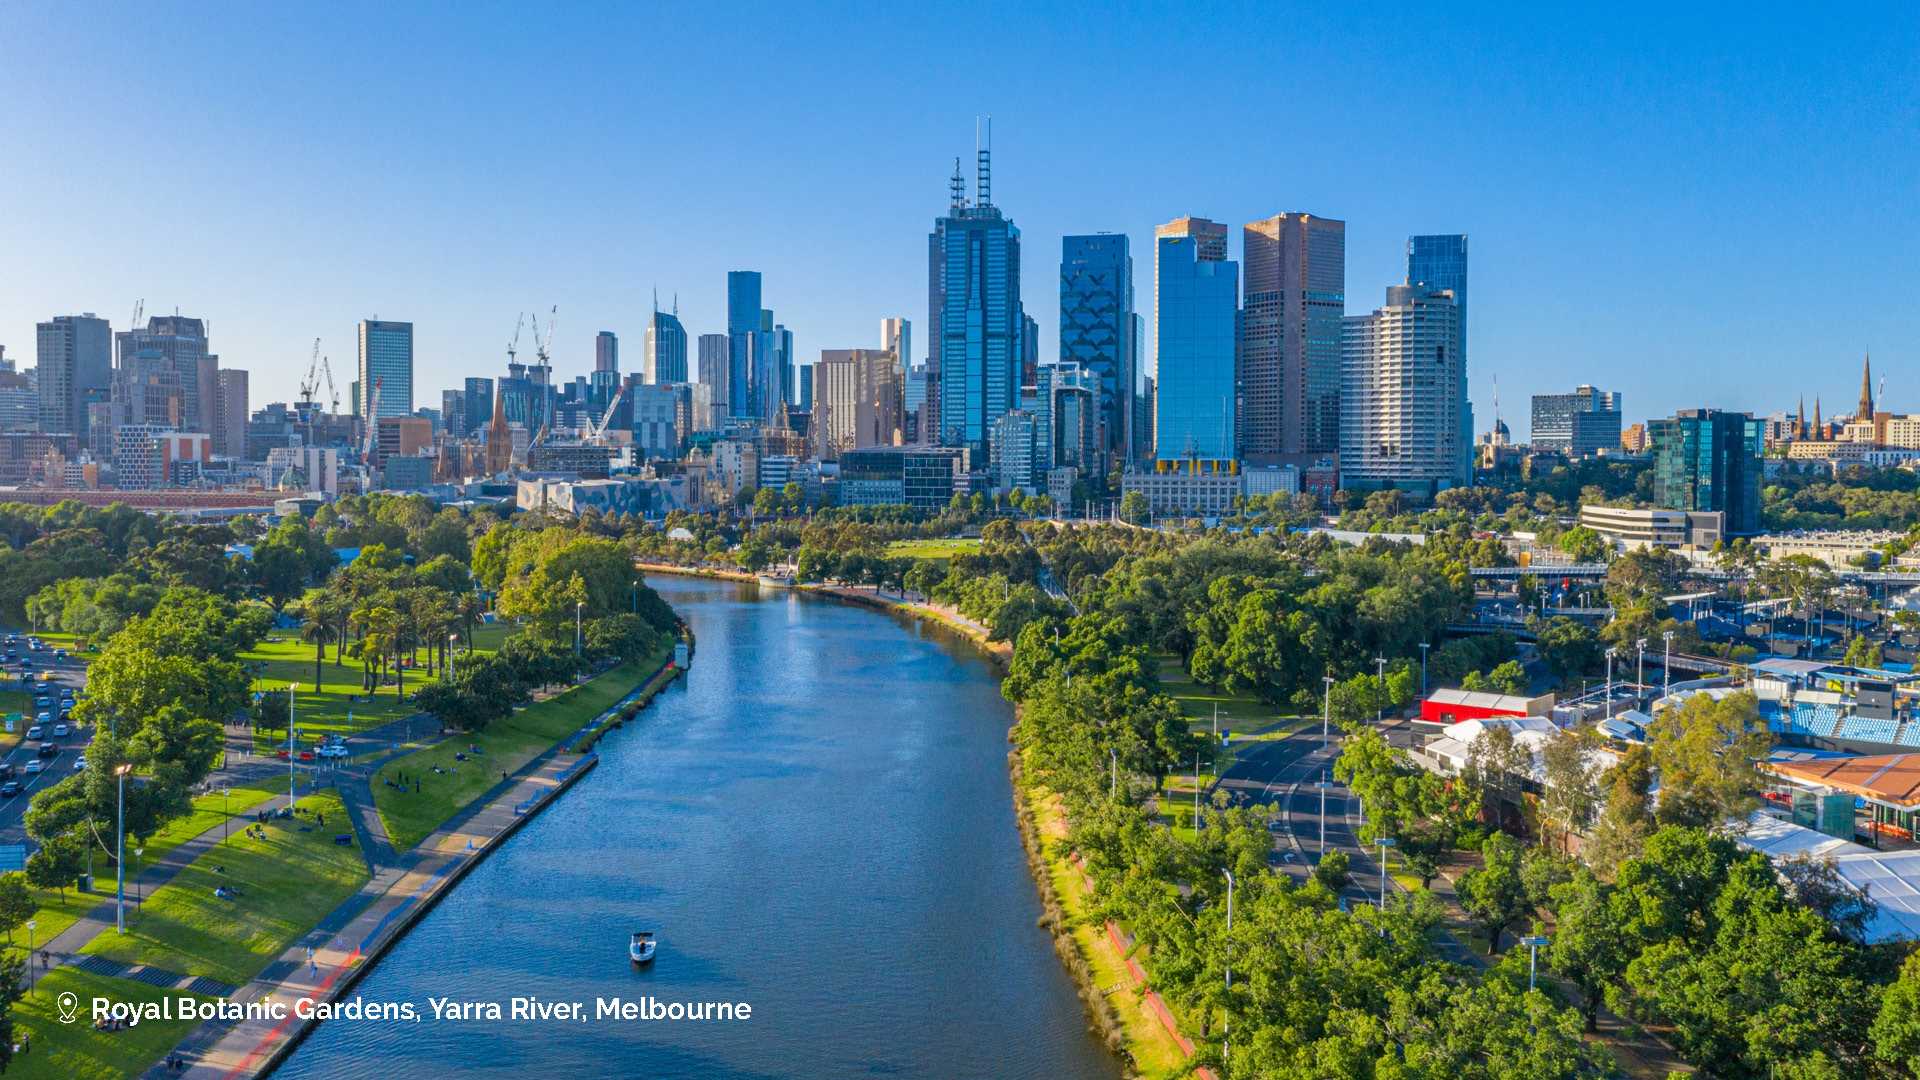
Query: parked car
(333,750)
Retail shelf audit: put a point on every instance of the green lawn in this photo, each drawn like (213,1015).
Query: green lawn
(207,812)
(78,1052)
(53,916)
(327,710)
(932,549)
(507,744)
(287,883)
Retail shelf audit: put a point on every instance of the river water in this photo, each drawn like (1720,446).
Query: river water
(817,822)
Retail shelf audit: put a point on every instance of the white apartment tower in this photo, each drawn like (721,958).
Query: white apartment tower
(1403,393)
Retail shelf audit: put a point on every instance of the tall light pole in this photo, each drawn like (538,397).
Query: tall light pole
(1640,663)
(31,923)
(1607,705)
(1226,1026)
(1534,945)
(226,826)
(120,855)
(1385,843)
(576,626)
(636,596)
(1423,670)
(1666,666)
(1380,685)
(1323,785)
(293,749)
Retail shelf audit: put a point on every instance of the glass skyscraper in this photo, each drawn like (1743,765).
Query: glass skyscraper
(1707,460)
(1290,338)
(386,357)
(976,344)
(1096,328)
(1440,262)
(479,402)
(1197,300)
(663,357)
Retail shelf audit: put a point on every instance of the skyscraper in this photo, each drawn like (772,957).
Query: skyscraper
(479,404)
(1290,338)
(386,357)
(1440,262)
(606,351)
(75,355)
(978,325)
(663,357)
(1096,331)
(230,433)
(856,400)
(1197,293)
(1577,424)
(181,345)
(896,336)
(1401,394)
(716,372)
(743,329)
(1707,460)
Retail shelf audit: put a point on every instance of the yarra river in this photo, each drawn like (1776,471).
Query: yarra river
(816,822)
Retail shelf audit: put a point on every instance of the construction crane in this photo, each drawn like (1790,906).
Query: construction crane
(597,433)
(373,421)
(544,350)
(139,308)
(332,394)
(311,383)
(514,345)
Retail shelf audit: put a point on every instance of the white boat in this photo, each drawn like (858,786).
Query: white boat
(640,951)
(775,581)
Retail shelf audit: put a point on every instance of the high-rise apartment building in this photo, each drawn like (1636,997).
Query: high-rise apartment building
(75,355)
(230,432)
(1097,332)
(664,354)
(1440,262)
(1290,338)
(1197,300)
(386,358)
(743,330)
(978,327)
(716,370)
(1577,424)
(857,400)
(1402,391)
(1708,460)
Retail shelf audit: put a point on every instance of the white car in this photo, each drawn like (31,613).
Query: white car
(35,765)
(79,763)
(60,731)
(35,731)
(333,750)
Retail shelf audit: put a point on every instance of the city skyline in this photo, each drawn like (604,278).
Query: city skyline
(468,236)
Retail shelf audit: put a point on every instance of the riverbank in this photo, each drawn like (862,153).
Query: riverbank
(344,947)
(1140,1029)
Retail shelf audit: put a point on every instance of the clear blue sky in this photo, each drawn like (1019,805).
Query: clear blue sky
(1697,209)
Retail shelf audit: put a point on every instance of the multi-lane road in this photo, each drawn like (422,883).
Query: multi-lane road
(68,674)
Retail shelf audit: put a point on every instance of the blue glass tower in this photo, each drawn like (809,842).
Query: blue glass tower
(975,350)
(1198,292)
(1096,327)
(743,329)
(1440,262)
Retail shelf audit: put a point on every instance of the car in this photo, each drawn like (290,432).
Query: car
(36,730)
(67,692)
(333,750)
(47,749)
(6,771)
(79,763)
(35,766)
(9,789)
(60,731)
(59,654)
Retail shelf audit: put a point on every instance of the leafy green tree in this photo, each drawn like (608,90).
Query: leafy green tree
(1709,754)
(1507,678)
(16,903)
(1896,1031)
(57,865)
(1495,894)
(1590,946)
(1569,647)
(1863,652)
(1334,871)
(1134,509)
(1626,814)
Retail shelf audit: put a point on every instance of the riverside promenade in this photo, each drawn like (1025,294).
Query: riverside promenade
(325,965)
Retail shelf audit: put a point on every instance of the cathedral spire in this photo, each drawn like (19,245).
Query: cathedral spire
(1866,389)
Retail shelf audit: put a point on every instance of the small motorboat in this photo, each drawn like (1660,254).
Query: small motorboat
(641,950)
(775,580)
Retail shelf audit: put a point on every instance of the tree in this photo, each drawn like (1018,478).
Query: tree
(1572,781)
(1134,509)
(1495,895)
(16,903)
(1506,678)
(1709,754)
(1496,762)
(1334,872)
(1626,816)
(1816,884)
(1863,652)
(1896,1032)
(280,572)
(1590,947)
(1569,647)
(57,865)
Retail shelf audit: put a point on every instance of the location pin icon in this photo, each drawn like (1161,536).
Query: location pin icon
(69,1006)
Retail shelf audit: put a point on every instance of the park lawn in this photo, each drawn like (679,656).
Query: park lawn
(932,549)
(1240,712)
(53,915)
(288,882)
(77,1051)
(327,710)
(506,745)
(207,812)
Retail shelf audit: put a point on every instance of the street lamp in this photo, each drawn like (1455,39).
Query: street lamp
(293,742)
(576,626)
(120,855)
(636,596)
(1607,704)
(1226,1026)
(1384,843)
(1380,684)
(1323,786)
(1666,666)
(1423,670)
(138,896)
(226,826)
(31,923)
(1640,663)
(1534,945)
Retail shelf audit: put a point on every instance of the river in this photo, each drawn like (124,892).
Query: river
(817,822)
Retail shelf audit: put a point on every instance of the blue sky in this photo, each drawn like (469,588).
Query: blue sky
(1706,208)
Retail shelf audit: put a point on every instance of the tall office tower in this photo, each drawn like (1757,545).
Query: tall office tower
(716,372)
(453,414)
(1705,460)
(663,357)
(1140,446)
(1578,424)
(1440,262)
(386,356)
(75,355)
(1096,332)
(857,400)
(1197,294)
(479,402)
(230,394)
(1401,394)
(743,330)
(1290,338)
(777,346)
(896,337)
(978,326)
(914,403)
(182,342)
(806,386)
(606,351)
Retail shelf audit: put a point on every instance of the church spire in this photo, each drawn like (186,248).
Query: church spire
(1819,432)
(1800,427)
(1866,389)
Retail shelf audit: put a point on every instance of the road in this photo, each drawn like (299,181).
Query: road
(68,674)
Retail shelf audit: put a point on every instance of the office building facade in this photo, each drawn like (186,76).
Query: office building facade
(606,351)
(1097,322)
(923,477)
(74,355)
(857,401)
(1559,426)
(977,325)
(1290,338)
(181,346)
(664,355)
(1197,293)
(1403,389)
(386,359)
(1439,261)
(1708,460)
(230,401)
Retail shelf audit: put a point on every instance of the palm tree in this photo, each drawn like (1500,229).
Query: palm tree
(317,631)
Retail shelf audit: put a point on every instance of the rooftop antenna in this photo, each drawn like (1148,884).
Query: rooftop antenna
(656,299)
(1496,401)
(957,200)
(983,187)
(676,305)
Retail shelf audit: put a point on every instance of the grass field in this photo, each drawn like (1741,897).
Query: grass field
(78,1052)
(207,812)
(932,549)
(506,745)
(287,883)
(327,711)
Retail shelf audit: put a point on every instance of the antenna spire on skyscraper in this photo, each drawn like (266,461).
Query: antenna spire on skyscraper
(958,187)
(983,185)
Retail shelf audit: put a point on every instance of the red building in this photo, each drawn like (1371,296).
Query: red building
(1453,706)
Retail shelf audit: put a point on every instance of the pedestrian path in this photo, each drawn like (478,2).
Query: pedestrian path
(152,976)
